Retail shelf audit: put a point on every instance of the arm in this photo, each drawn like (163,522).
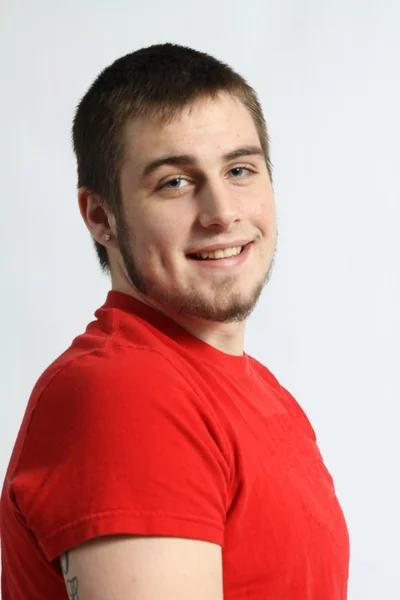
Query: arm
(144,568)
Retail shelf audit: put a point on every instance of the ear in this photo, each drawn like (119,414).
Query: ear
(97,218)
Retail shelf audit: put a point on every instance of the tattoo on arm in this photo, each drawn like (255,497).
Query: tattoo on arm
(72,587)
(72,584)
(65,563)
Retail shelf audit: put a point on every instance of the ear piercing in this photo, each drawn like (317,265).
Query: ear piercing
(106,237)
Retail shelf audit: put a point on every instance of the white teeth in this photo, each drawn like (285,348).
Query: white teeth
(221,253)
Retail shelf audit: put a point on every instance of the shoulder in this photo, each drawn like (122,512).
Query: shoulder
(114,367)
(287,399)
(114,389)
(261,372)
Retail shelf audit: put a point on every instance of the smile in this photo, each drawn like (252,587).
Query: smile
(218,254)
(222,258)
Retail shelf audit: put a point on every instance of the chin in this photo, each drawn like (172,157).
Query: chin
(231,307)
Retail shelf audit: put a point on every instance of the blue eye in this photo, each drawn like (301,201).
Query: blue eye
(240,171)
(170,185)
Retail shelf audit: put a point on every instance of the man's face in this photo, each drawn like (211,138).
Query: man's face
(210,187)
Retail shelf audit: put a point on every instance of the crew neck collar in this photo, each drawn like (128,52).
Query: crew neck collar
(238,365)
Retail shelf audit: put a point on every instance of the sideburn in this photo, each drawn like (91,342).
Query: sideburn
(124,244)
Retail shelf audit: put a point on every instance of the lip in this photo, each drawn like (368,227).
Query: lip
(225,263)
(214,247)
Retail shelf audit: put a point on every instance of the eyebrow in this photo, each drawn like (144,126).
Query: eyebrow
(190,159)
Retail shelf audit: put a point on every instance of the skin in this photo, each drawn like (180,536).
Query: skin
(144,568)
(186,206)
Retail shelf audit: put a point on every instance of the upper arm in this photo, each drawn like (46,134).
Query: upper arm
(112,450)
(144,568)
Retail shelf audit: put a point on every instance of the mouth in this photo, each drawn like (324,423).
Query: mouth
(219,254)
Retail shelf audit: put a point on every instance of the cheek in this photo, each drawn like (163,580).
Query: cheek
(158,240)
(147,232)
(264,215)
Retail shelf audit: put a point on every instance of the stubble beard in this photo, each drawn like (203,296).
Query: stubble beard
(224,306)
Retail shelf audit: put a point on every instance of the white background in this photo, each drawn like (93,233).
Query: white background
(327,73)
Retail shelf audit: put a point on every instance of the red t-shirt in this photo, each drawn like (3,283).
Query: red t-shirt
(141,428)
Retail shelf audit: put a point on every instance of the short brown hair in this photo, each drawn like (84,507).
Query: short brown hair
(154,82)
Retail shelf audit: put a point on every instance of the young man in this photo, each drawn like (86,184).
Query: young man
(156,459)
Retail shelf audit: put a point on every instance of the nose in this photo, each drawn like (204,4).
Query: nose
(218,207)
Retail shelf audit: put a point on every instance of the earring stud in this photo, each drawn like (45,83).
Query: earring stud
(106,237)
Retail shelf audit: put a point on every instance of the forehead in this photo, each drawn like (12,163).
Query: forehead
(209,125)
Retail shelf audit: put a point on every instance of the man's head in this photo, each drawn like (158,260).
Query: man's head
(173,158)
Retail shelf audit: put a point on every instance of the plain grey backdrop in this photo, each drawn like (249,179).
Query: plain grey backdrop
(327,73)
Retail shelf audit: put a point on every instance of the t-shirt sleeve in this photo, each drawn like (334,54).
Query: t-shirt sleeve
(121,443)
